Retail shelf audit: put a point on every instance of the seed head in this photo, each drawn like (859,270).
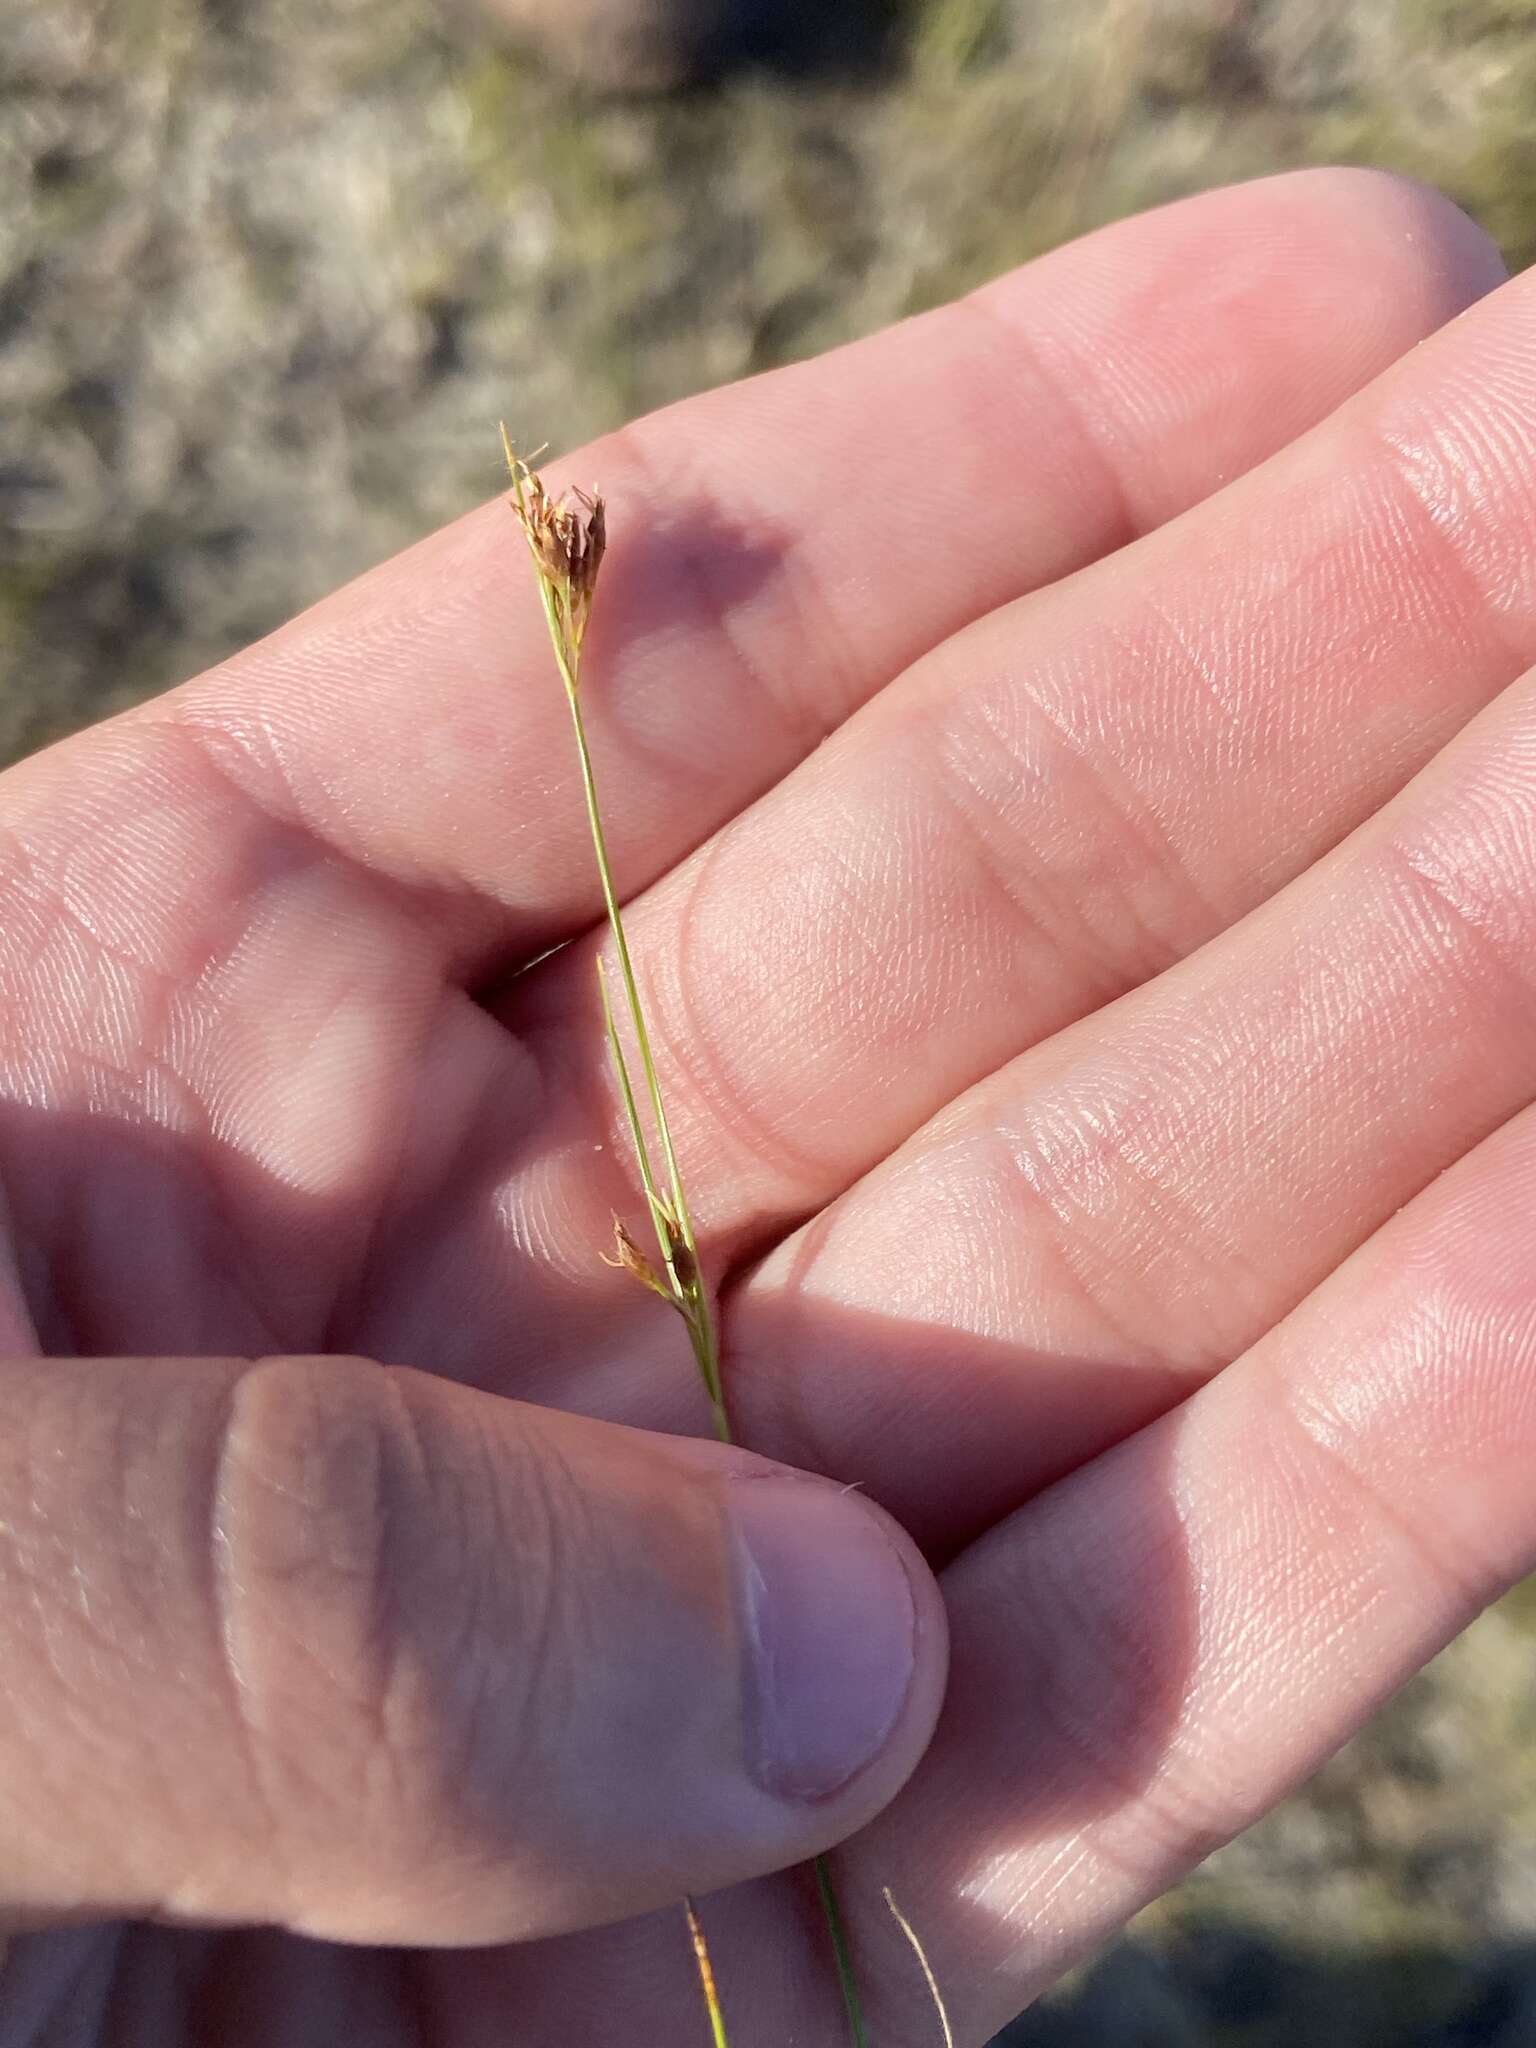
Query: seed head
(566,536)
(683,1264)
(628,1255)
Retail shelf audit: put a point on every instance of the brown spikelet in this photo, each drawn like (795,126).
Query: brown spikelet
(684,1265)
(567,537)
(628,1255)
(568,534)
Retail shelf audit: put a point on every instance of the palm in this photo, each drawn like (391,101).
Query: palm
(279,1084)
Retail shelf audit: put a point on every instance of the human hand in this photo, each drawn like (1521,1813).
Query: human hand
(1050,1053)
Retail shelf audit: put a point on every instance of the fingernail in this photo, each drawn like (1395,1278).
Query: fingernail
(829,1625)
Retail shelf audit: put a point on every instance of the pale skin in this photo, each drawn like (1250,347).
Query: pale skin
(1103,1075)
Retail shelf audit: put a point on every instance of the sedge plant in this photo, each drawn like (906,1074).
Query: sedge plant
(567,537)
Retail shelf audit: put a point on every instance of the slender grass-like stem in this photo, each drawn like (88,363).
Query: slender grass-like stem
(627,1090)
(566,539)
(567,542)
(926,1967)
(670,1217)
(847,1983)
(706,1971)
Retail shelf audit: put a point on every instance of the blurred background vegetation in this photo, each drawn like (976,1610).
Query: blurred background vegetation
(271,269)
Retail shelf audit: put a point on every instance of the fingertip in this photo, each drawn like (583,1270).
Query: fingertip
(1293,291)
(844,1635)
(1443,258)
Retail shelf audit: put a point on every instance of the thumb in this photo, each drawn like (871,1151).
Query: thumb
(380,1658)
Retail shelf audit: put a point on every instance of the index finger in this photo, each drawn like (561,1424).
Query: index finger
(786,546)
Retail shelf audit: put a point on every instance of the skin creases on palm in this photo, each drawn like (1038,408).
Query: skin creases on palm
(1084,924)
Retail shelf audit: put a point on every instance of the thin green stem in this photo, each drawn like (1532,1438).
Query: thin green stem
(565,612)
(626,965)
(847,1983)
(692,1297)
(706,1971)
(690,1302)
(616,921)
(631,1109)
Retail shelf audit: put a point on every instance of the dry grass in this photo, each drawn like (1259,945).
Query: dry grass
(267,270)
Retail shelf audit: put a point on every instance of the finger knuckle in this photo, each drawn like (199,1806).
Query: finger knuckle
(370,1583)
